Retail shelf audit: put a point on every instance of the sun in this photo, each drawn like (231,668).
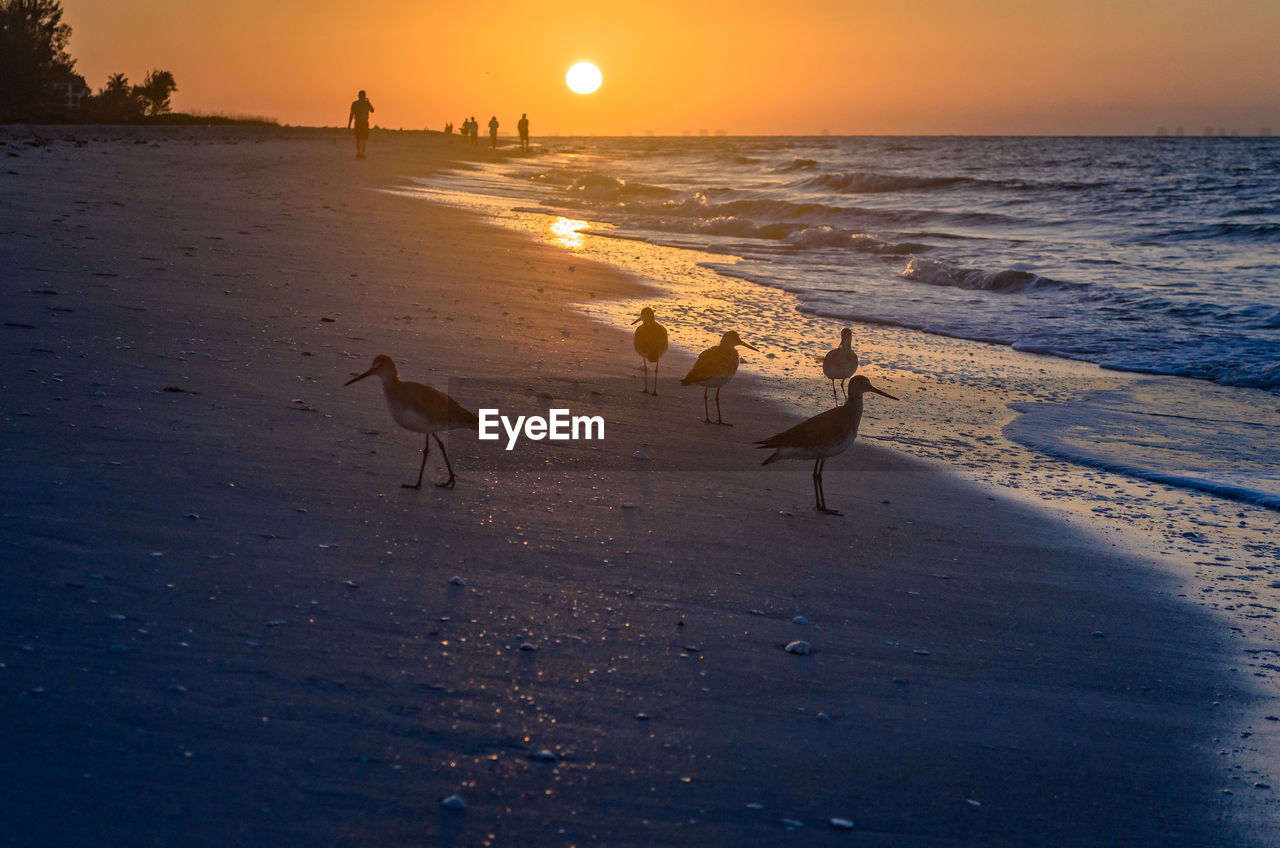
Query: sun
(583,78)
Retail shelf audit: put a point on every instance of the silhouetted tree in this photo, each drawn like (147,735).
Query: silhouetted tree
(33,59)
(155,91)
(117,86)
(116,101)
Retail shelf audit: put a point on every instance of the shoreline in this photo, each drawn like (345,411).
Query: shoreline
(979,393)
(954,658)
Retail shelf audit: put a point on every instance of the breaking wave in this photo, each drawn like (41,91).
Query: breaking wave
(936,272)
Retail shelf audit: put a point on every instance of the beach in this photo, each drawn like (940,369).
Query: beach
(227,623)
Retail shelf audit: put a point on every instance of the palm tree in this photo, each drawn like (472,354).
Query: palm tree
(117,86)
(117,101)
(155,91)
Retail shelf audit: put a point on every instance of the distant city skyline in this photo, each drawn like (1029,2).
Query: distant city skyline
(747,68)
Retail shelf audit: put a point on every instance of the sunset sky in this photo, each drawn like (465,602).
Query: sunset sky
(675,66)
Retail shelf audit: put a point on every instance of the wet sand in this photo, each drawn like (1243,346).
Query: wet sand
(226,623)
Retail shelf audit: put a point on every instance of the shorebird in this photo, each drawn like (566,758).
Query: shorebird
(840,362)
(823,436)
(715,367)
(421,409)
(651,343)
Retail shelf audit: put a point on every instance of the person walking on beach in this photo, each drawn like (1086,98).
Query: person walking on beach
(359,115)
(522,126)
(493,132)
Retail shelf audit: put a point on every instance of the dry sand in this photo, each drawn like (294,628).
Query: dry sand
(225,623)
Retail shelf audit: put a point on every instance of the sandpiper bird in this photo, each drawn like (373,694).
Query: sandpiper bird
(840,362)
(651,343)
(715,367)
(822,436)
(421,409)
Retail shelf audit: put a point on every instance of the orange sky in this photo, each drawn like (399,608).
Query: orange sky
(745,67)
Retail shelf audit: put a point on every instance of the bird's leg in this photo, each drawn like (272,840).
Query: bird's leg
(821,505)
(447,484)
(844,390)
(720,417)
(706,413)
(426,449)
(655,379)
(645,365)
(834,396)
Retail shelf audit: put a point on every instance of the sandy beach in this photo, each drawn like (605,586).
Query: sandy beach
(226,623)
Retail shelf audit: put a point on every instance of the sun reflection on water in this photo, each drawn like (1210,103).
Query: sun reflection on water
(567,232)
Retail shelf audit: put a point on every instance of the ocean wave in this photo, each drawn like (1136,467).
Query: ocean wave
(701,205)
(862,182)
(1223,232)
(605,187)
(870,182)
(1188,312)
(938,273)
(1117,432)
(1227,362)
(1227,231)
(731,226)
(793,235)
(826,236)
(796,164)
(638,200)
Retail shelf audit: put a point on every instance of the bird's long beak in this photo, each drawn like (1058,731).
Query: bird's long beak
(361,377)
(886,394)
(637,321)
(753,347)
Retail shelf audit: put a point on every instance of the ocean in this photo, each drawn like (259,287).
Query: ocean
(1029,269)
(1157,255)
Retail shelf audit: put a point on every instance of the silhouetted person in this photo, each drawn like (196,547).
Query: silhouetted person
(522,126)
(359,115)
(493,132)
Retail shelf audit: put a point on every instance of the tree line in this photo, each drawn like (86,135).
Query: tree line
(38,81)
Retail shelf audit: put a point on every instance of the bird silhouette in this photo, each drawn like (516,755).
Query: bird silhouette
(823,436)
(421,409)
(651,343)
(715,367)
(840,362)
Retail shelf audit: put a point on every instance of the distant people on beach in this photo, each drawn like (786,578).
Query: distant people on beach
(493,132)
(522,126)
(359,115)
(448,129)
(471,128)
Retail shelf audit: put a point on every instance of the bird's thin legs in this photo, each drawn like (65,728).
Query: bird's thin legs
(820,496)
(426,449)
(720,417)
(834,396)
(706,412)
(655,379)
(447,484)
(644,363)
